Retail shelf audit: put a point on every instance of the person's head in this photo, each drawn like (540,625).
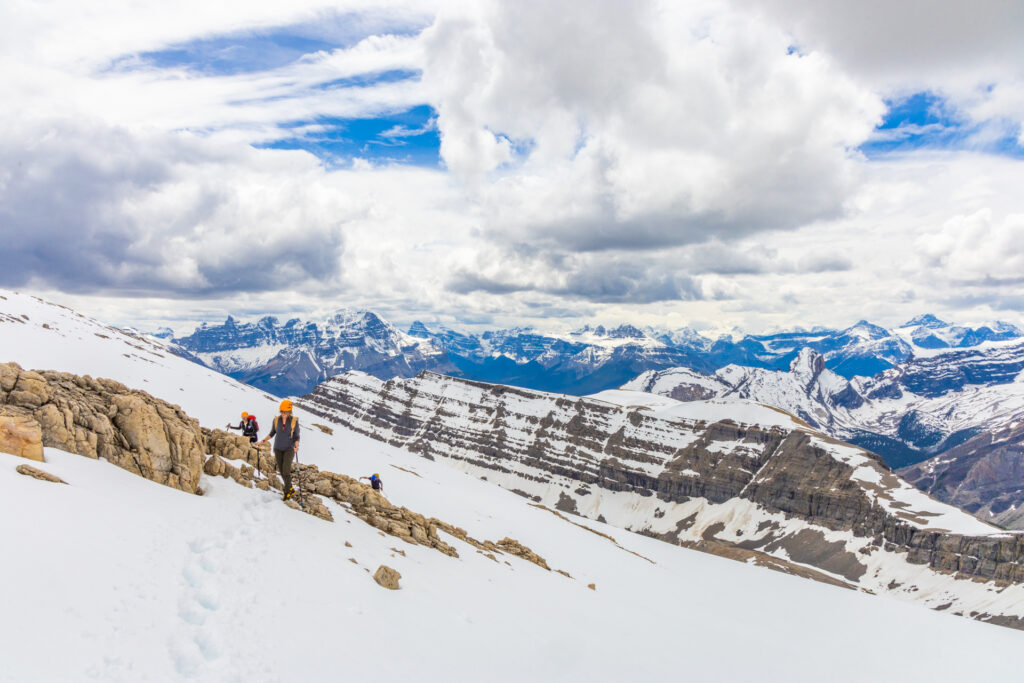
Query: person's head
(374,476)
(286,407)
(245,415)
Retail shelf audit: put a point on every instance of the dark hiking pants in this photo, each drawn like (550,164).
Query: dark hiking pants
(284,465)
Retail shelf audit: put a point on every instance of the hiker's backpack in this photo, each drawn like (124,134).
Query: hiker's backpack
(252,428)
(295,424)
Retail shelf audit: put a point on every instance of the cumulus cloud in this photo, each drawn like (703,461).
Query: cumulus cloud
(969,52)
(660,162)
(641,125)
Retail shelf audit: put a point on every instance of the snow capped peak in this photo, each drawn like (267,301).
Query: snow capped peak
(1005,328)
(926,320)
(866,330)
(353,317)
(807,362)
(626,331)
(419,330)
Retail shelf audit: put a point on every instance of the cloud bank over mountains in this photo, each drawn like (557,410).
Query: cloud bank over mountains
(508,162)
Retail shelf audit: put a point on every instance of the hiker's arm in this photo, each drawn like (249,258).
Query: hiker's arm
(273,431)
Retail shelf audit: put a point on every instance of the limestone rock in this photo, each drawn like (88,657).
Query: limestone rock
(101,418)
(514,547)
(387,577)
(215,466)
(30,471)
(20,435)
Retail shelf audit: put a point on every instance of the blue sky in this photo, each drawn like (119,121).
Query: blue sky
(406,137)
(928,121)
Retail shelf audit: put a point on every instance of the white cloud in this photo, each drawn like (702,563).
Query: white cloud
(642,124)
(659,162)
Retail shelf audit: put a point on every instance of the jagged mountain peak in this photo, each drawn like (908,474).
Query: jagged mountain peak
(419,330)
(807,362)
(925,320)
(866,329)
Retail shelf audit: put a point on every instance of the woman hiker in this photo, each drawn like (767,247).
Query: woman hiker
(250,429)
(285,430)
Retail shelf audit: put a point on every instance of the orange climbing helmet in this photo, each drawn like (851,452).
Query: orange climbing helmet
(286,406)
(244,414)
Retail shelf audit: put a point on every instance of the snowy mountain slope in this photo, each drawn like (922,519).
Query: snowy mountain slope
(915,410)
(233,586)
(686,473)
(984,475)
(121,579)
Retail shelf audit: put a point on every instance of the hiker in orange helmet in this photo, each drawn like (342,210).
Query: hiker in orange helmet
(285,430)
(248,425)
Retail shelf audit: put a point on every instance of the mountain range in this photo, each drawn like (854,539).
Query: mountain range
(929,397)
(291,358)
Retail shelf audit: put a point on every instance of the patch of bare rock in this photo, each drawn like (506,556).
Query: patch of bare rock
(30,471)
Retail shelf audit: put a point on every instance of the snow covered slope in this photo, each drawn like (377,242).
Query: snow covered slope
(117,578)
(728,476)
(907,414)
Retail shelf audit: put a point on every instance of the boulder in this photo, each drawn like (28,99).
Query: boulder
(387,577)
(20,435)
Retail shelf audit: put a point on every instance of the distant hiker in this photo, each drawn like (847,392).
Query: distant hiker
(285,430)
(375,482)
(249,427)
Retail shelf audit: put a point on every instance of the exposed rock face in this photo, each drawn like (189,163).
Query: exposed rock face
(984,475)
(101,418)
(792,493)
(38,474)
(387,577)
(20,435)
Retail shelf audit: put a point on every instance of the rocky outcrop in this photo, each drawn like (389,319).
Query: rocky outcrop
(101,418)
(514,547)
(387,577)
(984,475)
(20,435)
(29,471)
